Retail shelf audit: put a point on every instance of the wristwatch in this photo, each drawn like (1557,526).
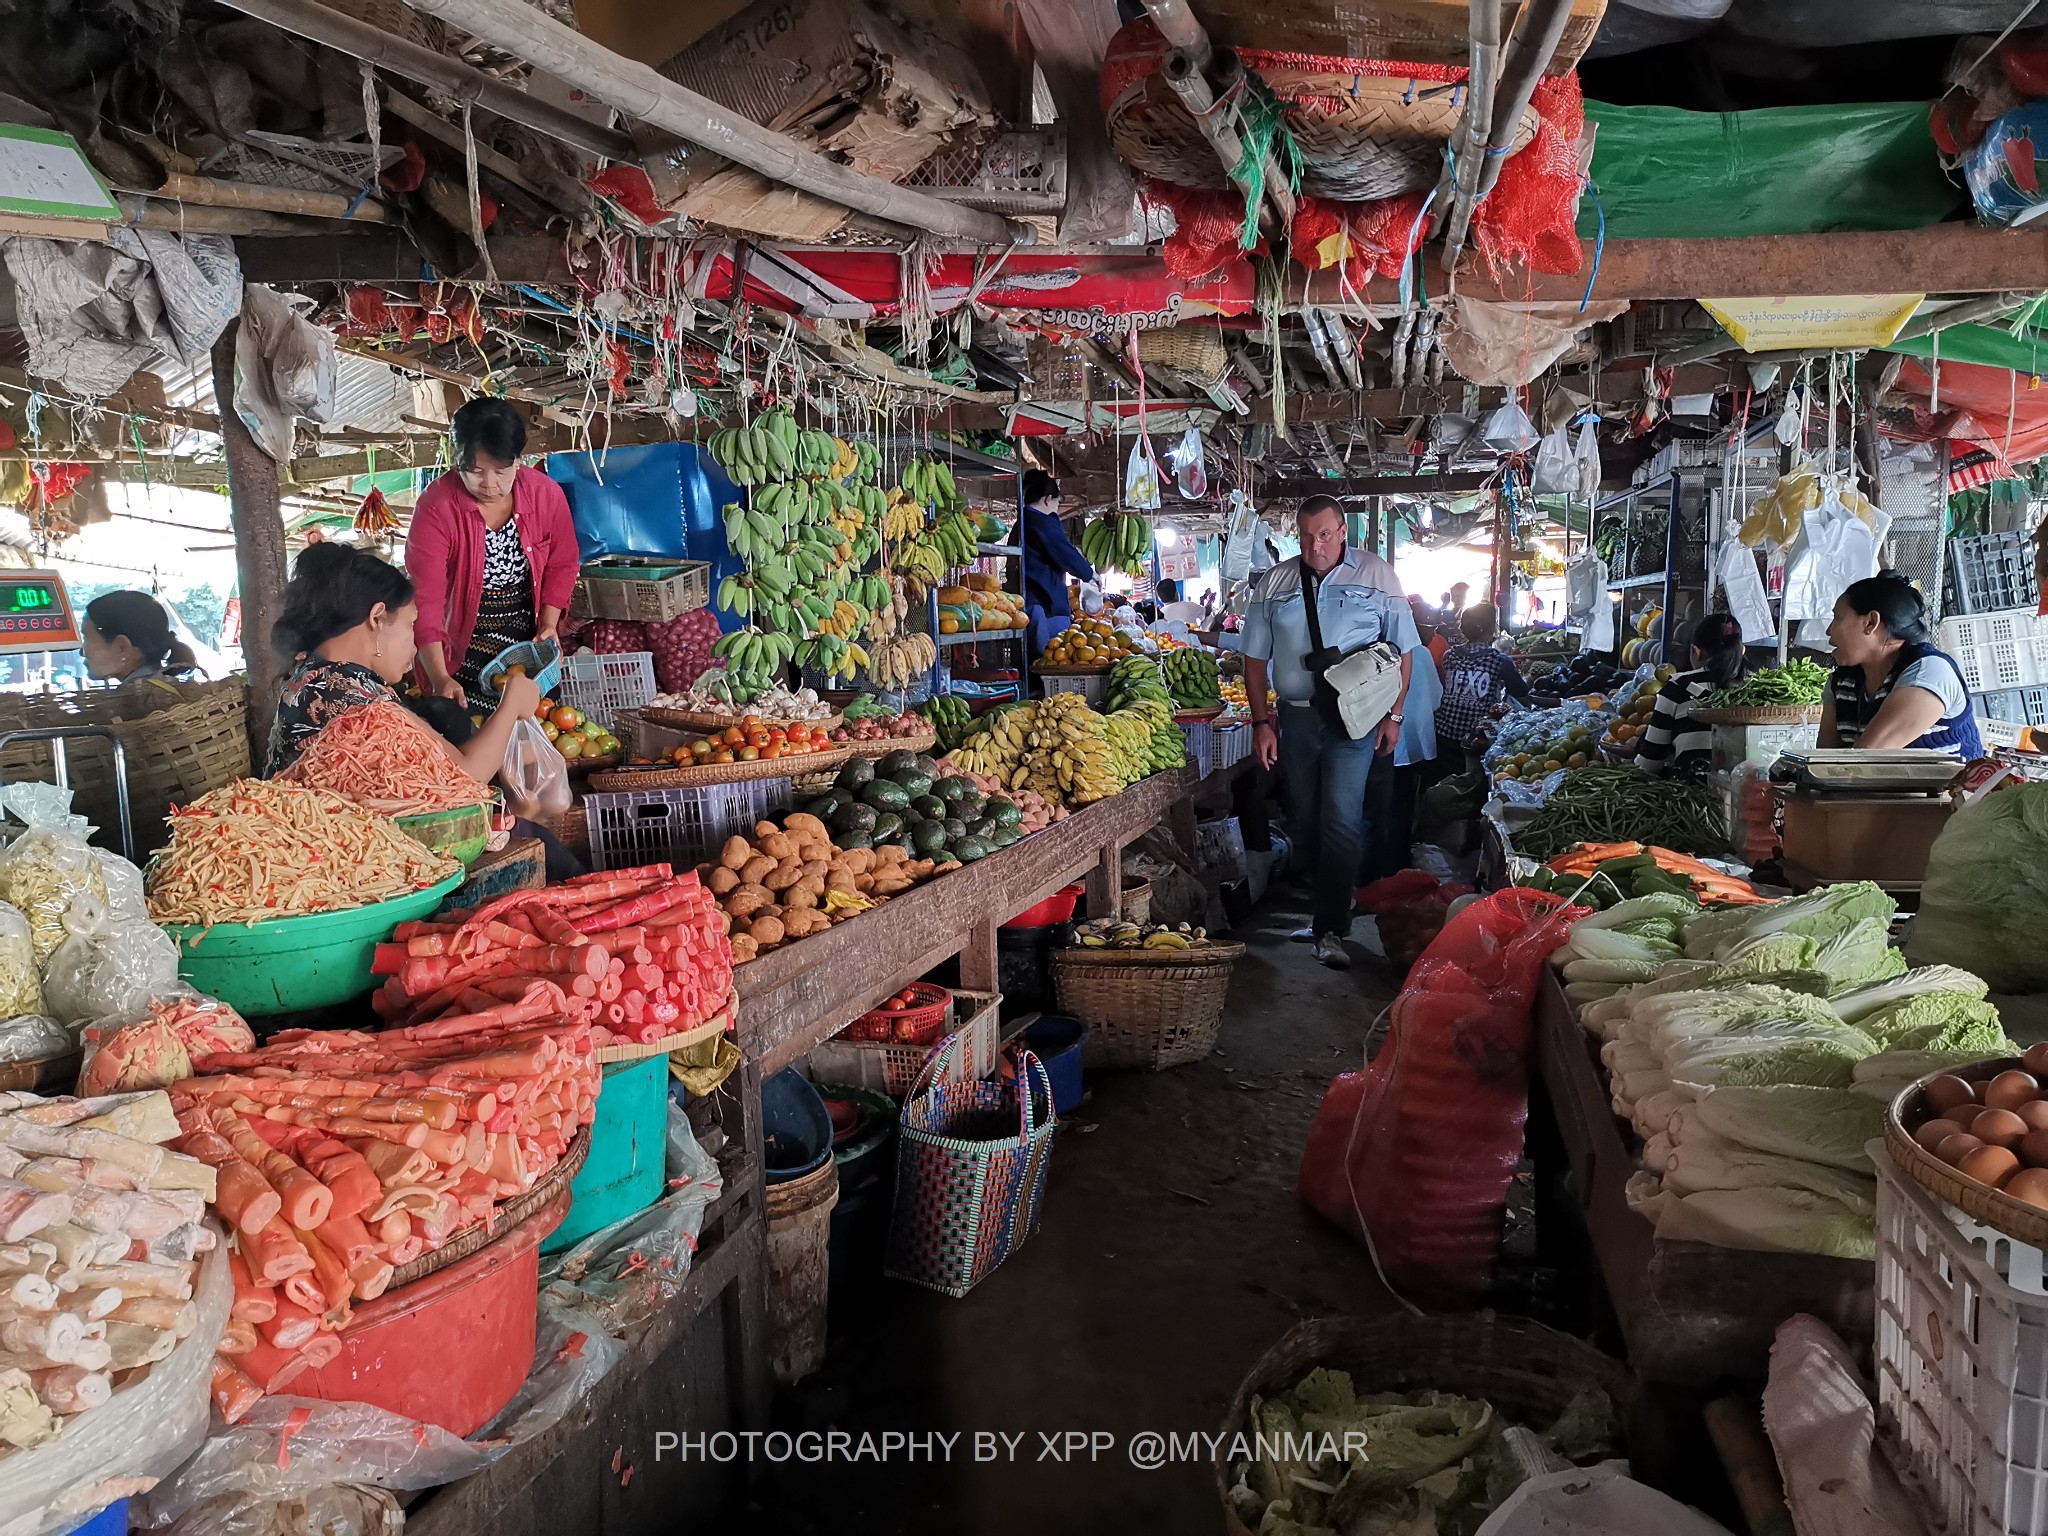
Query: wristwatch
(1396,718)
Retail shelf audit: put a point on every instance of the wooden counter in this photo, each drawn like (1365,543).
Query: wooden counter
(800,994)
(1692,1314)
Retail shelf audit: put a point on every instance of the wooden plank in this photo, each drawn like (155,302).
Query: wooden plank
(260,569)
(979,969)
(796,996)
(1105,896)
(1456,482)
(1419,31)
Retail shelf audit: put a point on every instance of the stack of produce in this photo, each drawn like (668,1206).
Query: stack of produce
(1134,680)
(574,737)
(1601,874)
(1632,720)
(1088,643)
(1115,933)
(341,1156)
(754,739)
(1587,675)
(903,799)
(921,554)
(1118,541)
(791,881)
(1799,684)
(897,663)
(1038,812)
(1993,1132)
(1056,746)
(774,703)
(385,757)
(158,1048)
(1543,740)
(868,720)
(100,1228)
(979,603)
(1142,736)
(1192,679)
(638,954)
(252,850)
(949,716)
(1606,803)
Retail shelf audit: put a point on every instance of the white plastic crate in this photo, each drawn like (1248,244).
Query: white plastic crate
(1962,1361)
(1233,744)
(1998,650)
(682,827)
(1093,686)
(1201,737)
(600,686)
(892,1069)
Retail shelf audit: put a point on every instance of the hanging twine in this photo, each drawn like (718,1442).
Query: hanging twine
(1262,129)
(1269,302)
(476,207)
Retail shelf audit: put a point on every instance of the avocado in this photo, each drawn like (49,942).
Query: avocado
(983,827)
(928,838)
(929,807)
(967,807)
(927,765)
(887,826)
(857,772)
(915,782)
(1006,835)
(944,858)
(825,806)
(853,839)
(955,829)
(884,795)
(953,789)
(854,818)
(968,849)
(1007,813)
(892,763)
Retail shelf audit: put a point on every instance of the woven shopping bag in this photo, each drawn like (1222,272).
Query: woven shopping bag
(970,1171)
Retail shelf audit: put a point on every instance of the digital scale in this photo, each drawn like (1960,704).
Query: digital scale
(35,613)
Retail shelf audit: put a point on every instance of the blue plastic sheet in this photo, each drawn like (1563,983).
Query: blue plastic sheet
(655,499)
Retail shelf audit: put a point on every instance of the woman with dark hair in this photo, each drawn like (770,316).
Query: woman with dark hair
(1893,687)
(491,549)
(127,639)
(1049,558)
(1673,739)
(346,632)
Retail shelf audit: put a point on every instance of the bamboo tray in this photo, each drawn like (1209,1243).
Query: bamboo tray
(703,776)
(552,1184)
(922,743)
(686,720)
(717,1024)
(1197,716)
(2015,1218)
(1776,714)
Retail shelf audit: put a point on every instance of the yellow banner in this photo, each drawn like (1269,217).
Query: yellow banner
(1807,324)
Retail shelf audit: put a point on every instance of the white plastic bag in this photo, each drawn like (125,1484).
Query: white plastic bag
(33,1037)
(535,776)
(1586,460)
(1556,471)
(109,965)
(42,873)
(1188,472)
(21,989)
(1747,599)
(1141,478)
(1509,430)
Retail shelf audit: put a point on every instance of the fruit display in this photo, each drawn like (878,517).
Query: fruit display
(1628,726)
(979,603)
(575,737)
(895,664)
(1118,541)
(1649,642)
(1590,673)
(867,720)
(1144,740)
(1115,933)
(903,799)
(1571,748)
(949,715)
(1191,678)
(893,1019)
(790,881)
(1057,746)
(774,703)
(1544,736)
(1039,812)
(1088,643)
(752,740)
(1134,680)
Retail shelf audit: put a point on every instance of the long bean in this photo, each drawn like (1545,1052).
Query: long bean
(1799,682)
(1602,803)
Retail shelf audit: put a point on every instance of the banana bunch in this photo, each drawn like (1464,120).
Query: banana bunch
(953,537)
(816,453)
(1133,680)
(845,459)
(867,463)
(1191,678)
(754,455)
(930,483)
(1130,740)
(920,566)
(1118,541)
(902,518)
(832,654)
(1169,748)
(948,715)
(1116,933)
(753,659)
(1075,737)
(896,663)
(888,615)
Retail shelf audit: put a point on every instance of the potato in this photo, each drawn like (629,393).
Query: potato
(765,829)
(784,875)
(777,846)
(859,860)
(743,948)
(755,871)
(840,880)
(747,900)
(889,853)
(767,930)
(890,885)
(736,852)
(722,880)
(800,925)
(801,897)
(815,869)
(803,824)
(863,883)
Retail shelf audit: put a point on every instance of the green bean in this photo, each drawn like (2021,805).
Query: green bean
(1601,803)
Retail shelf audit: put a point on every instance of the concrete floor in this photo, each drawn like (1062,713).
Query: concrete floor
(1173,1252)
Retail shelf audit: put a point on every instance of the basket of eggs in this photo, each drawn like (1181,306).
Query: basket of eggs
(1977,1137)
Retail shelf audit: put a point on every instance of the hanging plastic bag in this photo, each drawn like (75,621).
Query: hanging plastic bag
(1509,430)
(1586,461)
(1189,475)
(109,965)
(1744,584)
(1556,471)
(535,776)
(1141,478)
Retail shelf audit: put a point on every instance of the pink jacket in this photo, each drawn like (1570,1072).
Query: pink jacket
(444,555)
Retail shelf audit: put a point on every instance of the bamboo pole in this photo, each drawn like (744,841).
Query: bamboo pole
(637,91)
(260,571)
(1538,31)
(1475,128)
(197,219)
(211,192)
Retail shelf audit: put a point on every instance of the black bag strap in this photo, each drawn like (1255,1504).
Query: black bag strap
(1308,603)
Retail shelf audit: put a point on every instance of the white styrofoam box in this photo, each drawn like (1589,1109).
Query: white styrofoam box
(1741,743)
(1998,650)
(1962,1361)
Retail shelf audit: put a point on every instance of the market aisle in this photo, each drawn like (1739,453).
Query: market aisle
(1173,1252)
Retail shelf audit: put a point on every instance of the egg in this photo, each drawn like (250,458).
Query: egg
(1954,1149)
(2035,1113)
(1945,1092)
(2035,1059)
(2009,1090)
(1988,1165)
(1935,1132)
(2033,1149)
(1998,1127)
(2030,1185)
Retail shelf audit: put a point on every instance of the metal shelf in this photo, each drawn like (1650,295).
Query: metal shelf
(981,634)
(1655,578)
(955,455)
(1001,549)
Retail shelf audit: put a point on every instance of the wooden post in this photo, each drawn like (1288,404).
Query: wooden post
(1106,882)
(979,967)
(260,572)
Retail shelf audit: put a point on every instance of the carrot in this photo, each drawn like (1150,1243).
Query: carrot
(290,1328)
(234,1393)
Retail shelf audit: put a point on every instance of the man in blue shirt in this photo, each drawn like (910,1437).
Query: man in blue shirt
(1326,771)
(1049,559)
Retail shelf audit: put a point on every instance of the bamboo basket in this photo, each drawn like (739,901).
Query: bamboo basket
(1145,1008)
(552,1184)
(2014,1217)
(698,776)
(1771,714)
(883,748)
(1528,1372)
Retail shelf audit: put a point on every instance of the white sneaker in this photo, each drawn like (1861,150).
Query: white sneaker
(1303,936)
(1329,949)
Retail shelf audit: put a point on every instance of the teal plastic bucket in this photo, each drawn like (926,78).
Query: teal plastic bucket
(628,1141)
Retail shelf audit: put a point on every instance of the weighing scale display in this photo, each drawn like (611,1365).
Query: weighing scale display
(35,612)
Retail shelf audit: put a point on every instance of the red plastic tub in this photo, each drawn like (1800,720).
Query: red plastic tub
(1056,908)
(453,1347)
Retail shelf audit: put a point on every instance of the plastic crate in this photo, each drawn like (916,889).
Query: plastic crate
(1962,1361)
(1201,735)
(1993,571)
(1092,686)
(600,686)
(2018,706)
(1998,651)
(680,826)
(892,1069)
(1233,744)
(647,589)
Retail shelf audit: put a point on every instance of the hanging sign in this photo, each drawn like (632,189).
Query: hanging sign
(1805,323)
(49,188)
(1180,564)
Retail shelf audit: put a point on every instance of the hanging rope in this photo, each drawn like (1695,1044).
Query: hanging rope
(476,207)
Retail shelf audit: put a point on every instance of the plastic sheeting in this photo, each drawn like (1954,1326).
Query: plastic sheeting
(659,499)
(1661,172)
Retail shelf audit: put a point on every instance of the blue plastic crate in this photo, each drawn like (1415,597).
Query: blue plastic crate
(2016,706)
(1993,572)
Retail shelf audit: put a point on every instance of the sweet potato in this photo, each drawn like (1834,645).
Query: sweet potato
(743,948)
(777,846)
(784,875)
(814,869)
(862,884)
(802,897)
(755,871)
(767,931)
(723,879)
(803,823)
(747,900)
(802,924)
(889,885)
(765,828)
(889,853)
(840,880)
(736,852)
(858,860)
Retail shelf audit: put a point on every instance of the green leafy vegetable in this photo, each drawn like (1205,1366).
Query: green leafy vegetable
(1820,914)
(1822,1125)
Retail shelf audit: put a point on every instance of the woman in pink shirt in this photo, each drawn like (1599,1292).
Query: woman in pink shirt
(491,551)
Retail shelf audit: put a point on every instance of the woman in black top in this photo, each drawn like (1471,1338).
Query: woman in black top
(1673,739)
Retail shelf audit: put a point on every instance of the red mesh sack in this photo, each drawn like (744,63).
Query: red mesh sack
(1531,215)
(1418,1148)
(1206,226)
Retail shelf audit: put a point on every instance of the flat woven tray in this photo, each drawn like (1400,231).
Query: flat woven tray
(1777,714)
(719,773)
(474,1239)
(2016,1218)
(685,720)
(717,1024)
(1195,716)
(922,743)
(1210,953)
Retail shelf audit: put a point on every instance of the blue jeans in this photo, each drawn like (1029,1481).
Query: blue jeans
(1326,773)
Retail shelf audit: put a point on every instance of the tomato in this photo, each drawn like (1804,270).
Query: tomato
(567,719)
(799,732)
(773,749)
(732,735)
(748,754)
(722,755)
(777,733)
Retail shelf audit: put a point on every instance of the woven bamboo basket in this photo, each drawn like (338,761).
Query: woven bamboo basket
(1528,1372)
(1772,714)
(1361,136)
(1195,350)
(1146,1008)
(888,744)
(2014,1217)
(552,1185)
(697,777)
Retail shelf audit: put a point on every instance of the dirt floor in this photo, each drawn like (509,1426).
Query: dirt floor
(1173,1251)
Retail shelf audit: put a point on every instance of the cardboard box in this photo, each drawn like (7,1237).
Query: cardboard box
(1759,743)
(1416,31)
(1864,837)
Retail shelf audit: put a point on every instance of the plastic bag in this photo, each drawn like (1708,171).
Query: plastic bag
(108,965)
(1141,478)
(21,989)
(127,891)
(35,804)
(122,1447)
(1508,429)
(1586,460)
(1418,1148)
(1594,1501)
(1985,899)
(41,873)
(1189,475)
(1556,471)
(33,1037)
(156,1044)
(535,776)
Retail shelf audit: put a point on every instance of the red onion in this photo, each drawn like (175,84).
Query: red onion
(682,648)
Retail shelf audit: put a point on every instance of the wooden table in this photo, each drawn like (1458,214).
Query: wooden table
(798,995)
(1692,1314)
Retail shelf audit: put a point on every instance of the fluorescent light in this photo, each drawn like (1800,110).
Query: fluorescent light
(1167,538)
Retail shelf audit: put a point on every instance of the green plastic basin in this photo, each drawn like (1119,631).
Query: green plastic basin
(628,1142)
(290,963)
(462,833)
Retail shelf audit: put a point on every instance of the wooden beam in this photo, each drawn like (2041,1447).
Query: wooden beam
(260,570)
(327,255)
(213,192)
(1453,483)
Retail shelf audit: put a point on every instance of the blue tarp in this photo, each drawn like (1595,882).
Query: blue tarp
(656,499)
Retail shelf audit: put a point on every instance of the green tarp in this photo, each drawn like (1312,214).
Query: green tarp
(1661,172)
(1991,345)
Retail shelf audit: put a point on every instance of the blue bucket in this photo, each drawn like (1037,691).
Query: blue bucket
(1056,1039)
(111,1521)
(796,1128)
